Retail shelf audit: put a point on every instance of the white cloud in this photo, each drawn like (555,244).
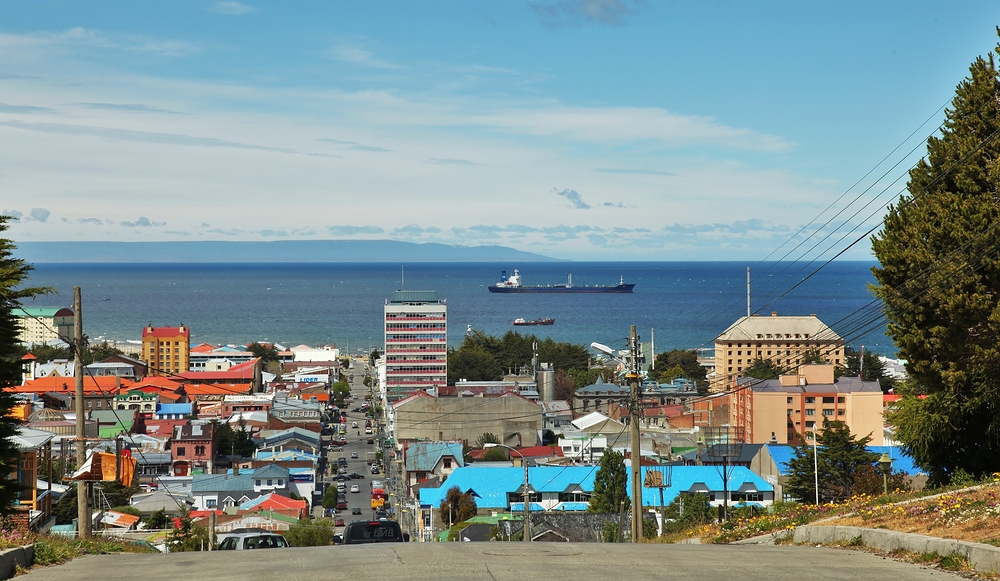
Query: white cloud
(356,55)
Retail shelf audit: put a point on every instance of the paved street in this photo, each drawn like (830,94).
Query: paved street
(498,561)
(355,443)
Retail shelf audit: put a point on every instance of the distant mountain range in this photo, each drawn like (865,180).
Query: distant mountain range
(273,251)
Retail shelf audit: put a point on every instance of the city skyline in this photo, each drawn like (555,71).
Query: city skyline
(576,129)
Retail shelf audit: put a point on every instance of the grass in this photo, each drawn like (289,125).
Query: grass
(56,549)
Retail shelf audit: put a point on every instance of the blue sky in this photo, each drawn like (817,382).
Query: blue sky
(580,129)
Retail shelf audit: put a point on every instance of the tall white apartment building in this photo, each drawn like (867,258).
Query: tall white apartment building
(416,342)
(39,325)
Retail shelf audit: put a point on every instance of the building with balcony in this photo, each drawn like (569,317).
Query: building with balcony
(166,350)
(416,342)
(793,408)
(781,340)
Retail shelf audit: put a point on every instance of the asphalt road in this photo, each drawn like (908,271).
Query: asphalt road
(499,562)
(355,443)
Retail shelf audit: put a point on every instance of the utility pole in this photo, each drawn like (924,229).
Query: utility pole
(82,498)
(633,343)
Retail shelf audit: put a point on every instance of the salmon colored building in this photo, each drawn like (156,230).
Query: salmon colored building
(793,408)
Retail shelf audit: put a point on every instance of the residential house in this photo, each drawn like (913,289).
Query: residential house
(136,399)
(34,505)
(425,460)
(221,491)
(172,411)
(556,415)
(193,448)
(297,411)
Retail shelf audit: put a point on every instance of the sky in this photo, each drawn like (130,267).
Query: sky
(577,129)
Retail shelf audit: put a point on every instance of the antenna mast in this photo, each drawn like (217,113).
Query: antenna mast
(748,291)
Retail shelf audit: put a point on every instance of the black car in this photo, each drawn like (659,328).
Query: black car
(356,476)
(380,531)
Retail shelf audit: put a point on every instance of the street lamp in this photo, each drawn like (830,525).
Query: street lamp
(885,462)
(527,512)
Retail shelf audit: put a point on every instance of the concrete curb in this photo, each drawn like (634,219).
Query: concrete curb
(983,558)
(11,559)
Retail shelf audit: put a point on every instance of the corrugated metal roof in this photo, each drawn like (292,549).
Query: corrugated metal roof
(424,456)
(414,296)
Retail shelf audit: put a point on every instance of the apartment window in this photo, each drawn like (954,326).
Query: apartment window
(769,353)
(739,353)
(828,399)
(730,369)
(810,424)
(788,400)
(827,412)
(841,412)
(810,412)
(789,412)
(730,352)
(810,400)
(199,450)
(182,451)
(730,362)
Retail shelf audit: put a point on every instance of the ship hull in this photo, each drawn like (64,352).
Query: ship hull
(621,288)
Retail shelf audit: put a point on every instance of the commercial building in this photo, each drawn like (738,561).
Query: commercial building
(166,350)
(515,420)
(781,340)
(792,409)
(416,342)
(37,325)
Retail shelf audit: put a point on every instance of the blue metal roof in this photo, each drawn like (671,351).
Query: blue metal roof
(173,408)
(424,456)
(492,484)
(535,507)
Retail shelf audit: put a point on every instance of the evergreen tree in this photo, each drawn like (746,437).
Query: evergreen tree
(457,506)
(842,459)
(939,280)
(13,272)
(610,484)
(762,369)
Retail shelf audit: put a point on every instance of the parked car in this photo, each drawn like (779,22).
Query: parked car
(382,531)
(245,539)
(338,522)
(374,469)
(355,488)
(356,476)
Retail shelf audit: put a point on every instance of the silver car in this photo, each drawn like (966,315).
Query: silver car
(251,539)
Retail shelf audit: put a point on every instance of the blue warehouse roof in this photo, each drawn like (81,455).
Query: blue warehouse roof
(782,455)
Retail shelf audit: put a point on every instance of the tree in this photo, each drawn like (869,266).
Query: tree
(610,484)
(688,510)
(457,506)
(237,442)
(868,366)
(812,356)
(565,387)
(473,363)
(13,273)
(265,351)
(939,281)
(157,520)
(487,438)
(681,363)
(188,536)
(842,457)
(100,352)
(494,455)
(309,533)
(762,369)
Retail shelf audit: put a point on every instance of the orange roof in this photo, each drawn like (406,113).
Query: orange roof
(166,332)
(159,381)
(91,384)
(28,356)
(216,389)
(204,348)
(243,371)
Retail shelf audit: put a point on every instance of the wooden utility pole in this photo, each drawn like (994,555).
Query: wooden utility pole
(82,498)
(634,415)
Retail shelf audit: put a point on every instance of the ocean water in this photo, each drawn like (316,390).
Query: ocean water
(679,304)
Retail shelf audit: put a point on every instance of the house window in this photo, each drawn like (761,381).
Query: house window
(281,482)
(211,503)
(447,463)
(199,450)
(257,482)
(270,482)
(182,451)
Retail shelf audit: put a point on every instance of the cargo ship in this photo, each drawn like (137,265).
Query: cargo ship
(512,284)
(521,322)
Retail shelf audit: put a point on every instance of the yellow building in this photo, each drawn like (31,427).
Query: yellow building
(166,350)
(792,409)
(782,340)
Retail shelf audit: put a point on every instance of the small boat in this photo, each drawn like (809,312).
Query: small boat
(521,322)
